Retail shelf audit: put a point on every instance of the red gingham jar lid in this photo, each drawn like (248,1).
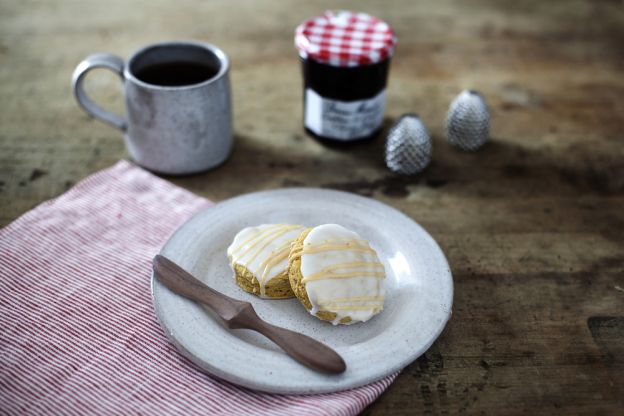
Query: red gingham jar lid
(344,38)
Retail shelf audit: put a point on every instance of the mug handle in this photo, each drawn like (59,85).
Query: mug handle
(98,60)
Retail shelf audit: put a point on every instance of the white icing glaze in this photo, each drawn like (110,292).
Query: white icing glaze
(342,274)
(264,250)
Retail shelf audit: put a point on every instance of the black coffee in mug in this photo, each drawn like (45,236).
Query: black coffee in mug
(176,73)
(178,117)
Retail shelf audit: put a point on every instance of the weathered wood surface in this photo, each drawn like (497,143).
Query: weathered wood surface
(532,225)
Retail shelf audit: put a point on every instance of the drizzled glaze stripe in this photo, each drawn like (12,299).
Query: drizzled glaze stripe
(270,263)
(353,307)
(259,244)
(330,247)
(332,304)
(252,238)
(330,272)
(269,239)
(353,299)
(322,264)
(345,275)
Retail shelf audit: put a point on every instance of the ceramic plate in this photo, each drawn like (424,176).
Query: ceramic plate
(419,294)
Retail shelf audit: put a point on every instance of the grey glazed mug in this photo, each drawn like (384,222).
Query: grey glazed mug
(168,129)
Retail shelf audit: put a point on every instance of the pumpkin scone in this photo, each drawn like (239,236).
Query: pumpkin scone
(259,257)
(336,275)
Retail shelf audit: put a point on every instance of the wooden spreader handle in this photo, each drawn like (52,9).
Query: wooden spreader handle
(239,314)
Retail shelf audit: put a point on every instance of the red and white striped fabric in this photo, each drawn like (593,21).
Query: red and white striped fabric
(344,38)
(78,334)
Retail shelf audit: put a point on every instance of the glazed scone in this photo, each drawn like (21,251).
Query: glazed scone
(259,257)
(336,275)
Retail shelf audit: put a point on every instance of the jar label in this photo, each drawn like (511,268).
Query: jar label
(343,120)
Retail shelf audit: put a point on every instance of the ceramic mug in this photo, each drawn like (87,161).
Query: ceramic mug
(177,121)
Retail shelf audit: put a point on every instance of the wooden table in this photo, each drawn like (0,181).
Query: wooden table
(532,224)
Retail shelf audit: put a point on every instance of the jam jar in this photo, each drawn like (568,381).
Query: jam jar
(346,58)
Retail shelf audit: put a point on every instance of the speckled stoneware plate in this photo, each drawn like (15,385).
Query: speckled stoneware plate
(419,294)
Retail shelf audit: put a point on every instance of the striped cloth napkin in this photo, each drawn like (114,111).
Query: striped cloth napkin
(78,334)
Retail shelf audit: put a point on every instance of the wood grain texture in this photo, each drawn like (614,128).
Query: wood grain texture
(237,314)
(532,224)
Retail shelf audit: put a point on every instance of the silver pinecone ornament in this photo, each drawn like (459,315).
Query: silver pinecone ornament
(468,121)
(408,146)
